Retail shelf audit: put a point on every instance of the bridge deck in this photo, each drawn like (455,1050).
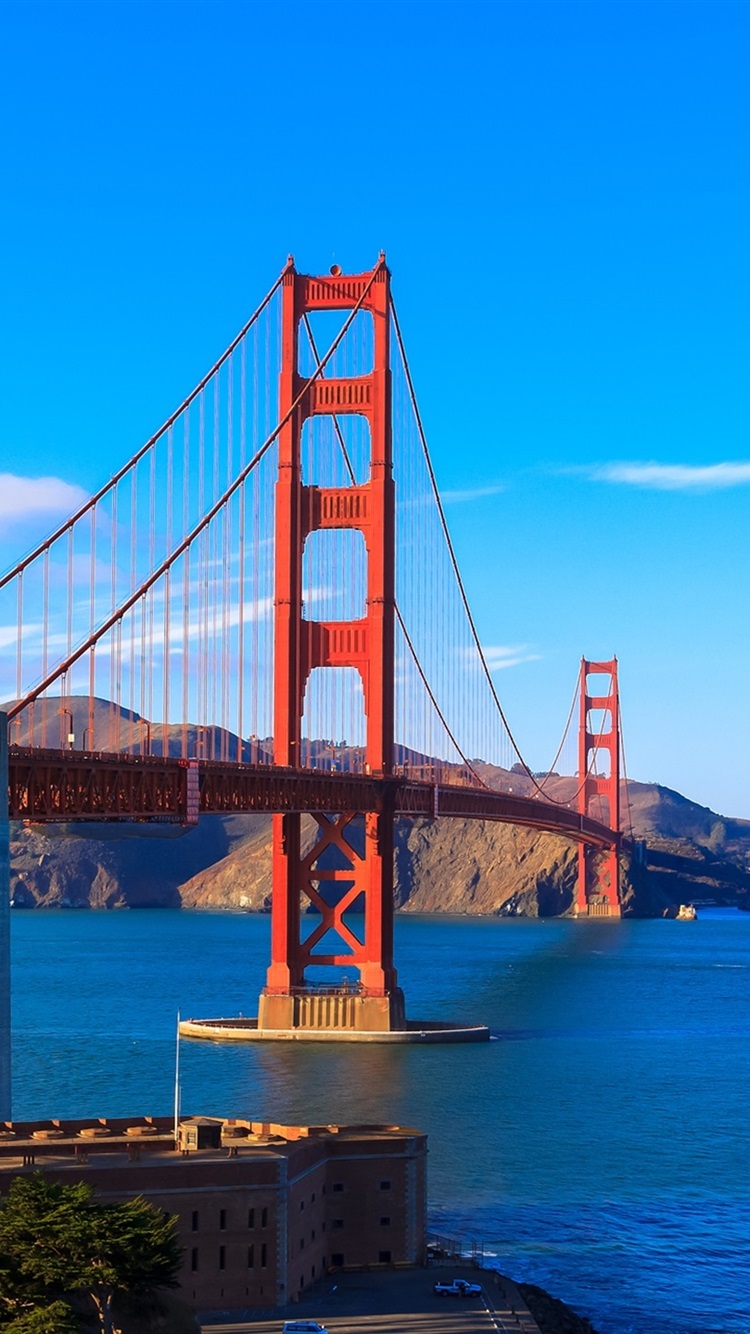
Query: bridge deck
(56,785)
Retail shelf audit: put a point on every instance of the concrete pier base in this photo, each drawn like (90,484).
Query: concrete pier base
(600,908)
(417,1032)
(5,1101)
(333,1010)
(331,1014)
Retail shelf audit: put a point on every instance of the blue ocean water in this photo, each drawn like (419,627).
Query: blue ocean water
(597,1146)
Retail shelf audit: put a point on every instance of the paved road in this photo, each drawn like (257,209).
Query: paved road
(401,1302)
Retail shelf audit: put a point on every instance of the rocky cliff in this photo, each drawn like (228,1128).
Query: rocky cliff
(551,1315)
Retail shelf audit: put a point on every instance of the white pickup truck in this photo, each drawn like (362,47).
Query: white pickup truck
(459,1287)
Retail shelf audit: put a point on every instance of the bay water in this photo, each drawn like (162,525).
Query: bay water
(598,1145)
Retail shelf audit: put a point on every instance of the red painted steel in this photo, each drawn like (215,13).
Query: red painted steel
(599,794)
(49,786)
(302,645)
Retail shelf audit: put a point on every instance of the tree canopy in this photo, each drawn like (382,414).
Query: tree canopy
(57,1242)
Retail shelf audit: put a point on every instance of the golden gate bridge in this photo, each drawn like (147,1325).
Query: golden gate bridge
(263,611)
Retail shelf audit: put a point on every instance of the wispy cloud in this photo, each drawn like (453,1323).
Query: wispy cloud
(499,656)
(471,493)
(9,634)
(674,476)
(31,497)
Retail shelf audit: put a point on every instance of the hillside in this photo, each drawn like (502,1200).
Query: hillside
(441,866)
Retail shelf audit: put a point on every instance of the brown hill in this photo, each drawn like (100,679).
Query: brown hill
(441,866)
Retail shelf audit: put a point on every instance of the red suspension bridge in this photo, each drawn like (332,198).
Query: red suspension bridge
(262,611)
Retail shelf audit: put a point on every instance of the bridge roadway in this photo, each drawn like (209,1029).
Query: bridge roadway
(59,785)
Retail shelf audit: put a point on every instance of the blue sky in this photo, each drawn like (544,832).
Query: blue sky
(562,191)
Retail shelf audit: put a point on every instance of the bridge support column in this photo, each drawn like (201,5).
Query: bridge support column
(5,1098)
(598,888)
(349,868)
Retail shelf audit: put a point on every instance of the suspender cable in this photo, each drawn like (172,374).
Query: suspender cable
(45,645)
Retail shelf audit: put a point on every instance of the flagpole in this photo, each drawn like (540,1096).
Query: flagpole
(177,1082)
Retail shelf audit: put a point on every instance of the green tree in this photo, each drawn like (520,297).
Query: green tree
(57,1318)
(57,1241)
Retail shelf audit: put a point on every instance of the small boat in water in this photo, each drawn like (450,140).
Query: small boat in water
(686,913)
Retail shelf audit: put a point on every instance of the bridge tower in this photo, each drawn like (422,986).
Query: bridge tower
(301,644)
(597,893)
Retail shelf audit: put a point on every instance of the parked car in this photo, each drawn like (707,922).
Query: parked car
(459,1287)
(304,1327)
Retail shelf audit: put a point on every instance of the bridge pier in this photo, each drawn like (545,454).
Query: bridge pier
(5,1094)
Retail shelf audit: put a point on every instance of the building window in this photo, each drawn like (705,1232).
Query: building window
(337,1222)
(222,1220)
(312,1235)
(251,1218)
(194,1259)
(385,1257)
(264,1217)
(263,1256)
(385,1222)
(222,1257)
(302,1243)
(337,1259)
(195,1220)
(313,1272)
(385,1185)
(251,1257)
(302,1206)
(312,1198)
(338,1185)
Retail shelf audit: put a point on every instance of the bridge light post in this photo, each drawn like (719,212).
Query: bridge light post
(71,735)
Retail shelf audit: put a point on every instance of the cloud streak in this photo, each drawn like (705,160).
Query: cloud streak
(32,497)
(471,493)
(674,476)
(499,656)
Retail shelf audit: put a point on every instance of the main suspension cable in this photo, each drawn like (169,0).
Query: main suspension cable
(563,738)
(118,476)
(201,526)
(454,562)
(433,700)
(625,771)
